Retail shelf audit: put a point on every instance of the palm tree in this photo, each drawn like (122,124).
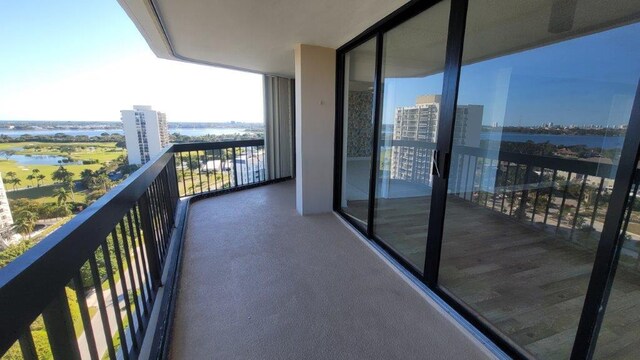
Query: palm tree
(26,222)
(11,174)
(62,195)
(40,179)
(62,175)
(86,176)
(102,181)
(31,177)
(15,182)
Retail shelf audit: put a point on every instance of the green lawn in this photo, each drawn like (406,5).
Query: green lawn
(103,152)
(44,194)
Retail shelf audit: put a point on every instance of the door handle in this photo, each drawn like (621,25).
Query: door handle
(436,169)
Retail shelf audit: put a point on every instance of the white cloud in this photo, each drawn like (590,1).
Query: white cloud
(186,92)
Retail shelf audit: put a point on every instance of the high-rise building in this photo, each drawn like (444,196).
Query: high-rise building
(145,131)
(420,123)
(6,220)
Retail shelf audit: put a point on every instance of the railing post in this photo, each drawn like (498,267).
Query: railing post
(235,172)
(59,325)
(172,176)
(27,345)
(153,258)
(522,209)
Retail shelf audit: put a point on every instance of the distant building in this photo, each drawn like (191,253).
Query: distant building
(420,123)
(6,220)
(145,131)
(249,167)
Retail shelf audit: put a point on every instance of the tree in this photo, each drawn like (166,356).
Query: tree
(35,174)
(67,149)
(15,182)
(40,179)
(31,177)
(11,174)
(62,175)
(86,176)
(61,211)
(7,153)
(100,181)
(95,195)
(26,222)
(61,195)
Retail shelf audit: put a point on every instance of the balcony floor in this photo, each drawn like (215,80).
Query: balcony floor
(524,279)
(258,281)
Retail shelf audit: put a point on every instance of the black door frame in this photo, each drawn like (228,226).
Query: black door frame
(609,246)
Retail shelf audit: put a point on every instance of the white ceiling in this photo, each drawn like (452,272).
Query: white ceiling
(260,36)
(252,35)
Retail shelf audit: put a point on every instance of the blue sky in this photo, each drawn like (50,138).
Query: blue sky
(588,80)
(85,60)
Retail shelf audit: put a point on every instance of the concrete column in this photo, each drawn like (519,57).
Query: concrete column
(315,122)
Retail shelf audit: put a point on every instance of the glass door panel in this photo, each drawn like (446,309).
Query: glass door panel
(619,336)
(358,130)
(545,96)
(412,71)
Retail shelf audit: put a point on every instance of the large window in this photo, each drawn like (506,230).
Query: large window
(532,152)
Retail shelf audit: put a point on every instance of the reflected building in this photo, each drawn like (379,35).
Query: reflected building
(420,123)
(6,220)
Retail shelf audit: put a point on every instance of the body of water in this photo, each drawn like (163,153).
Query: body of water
(17,133)
(41,160)
(206,131)
(592,141)
(183,131)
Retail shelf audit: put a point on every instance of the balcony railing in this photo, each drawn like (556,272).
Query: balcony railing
(117,259)
(567,197)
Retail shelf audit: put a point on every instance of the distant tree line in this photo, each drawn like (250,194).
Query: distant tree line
(558,130)
(64,138)
(548,149)
(179,138)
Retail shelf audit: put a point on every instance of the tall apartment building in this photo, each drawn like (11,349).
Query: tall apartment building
(6,220)
(145,131)
(420,123)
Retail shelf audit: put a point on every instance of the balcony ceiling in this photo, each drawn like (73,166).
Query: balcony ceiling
(260,36)
(251,35)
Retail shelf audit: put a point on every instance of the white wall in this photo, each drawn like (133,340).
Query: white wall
(131,136)
(153,132)
(315,121)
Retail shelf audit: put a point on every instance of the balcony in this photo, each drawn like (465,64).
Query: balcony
(268,283)
(463,252)
(199,245)
(192,251)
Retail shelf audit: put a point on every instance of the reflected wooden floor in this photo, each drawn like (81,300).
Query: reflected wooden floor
(526,281)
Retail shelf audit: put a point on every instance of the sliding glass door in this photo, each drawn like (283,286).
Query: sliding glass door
(533,206)
(359,67)
(412,73)
(540,122)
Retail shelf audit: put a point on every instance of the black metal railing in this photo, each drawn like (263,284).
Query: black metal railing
(566,194)
(88,289)
(566,197)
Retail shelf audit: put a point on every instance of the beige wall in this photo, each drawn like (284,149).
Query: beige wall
(315,119)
